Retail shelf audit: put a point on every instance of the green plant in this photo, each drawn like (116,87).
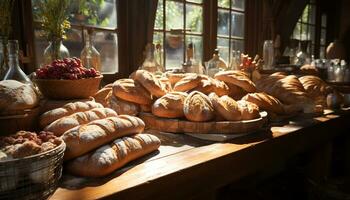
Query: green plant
(90,9)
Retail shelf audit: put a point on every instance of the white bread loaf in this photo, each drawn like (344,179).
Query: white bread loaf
(113,156)
(63,124)
(84,138)
(66,110)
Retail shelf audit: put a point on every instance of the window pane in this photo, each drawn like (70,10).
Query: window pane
(174,51)
(224,3)
(158,38)
(174,15)
(194,18)
(223,22)
(323,36)
(296,32)
(238,4)
(107,44)
(322,52)
(305,16)
(223,46)
(304,31)
(312,14)
(324,20)
(195,1)
(197,42)
(237,45)
(158,24)
(237,24)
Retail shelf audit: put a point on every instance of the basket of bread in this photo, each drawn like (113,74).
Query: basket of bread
(30,165)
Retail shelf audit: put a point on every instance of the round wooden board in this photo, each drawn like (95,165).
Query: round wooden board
(220,127)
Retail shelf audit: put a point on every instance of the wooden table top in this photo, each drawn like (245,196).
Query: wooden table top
(184,165)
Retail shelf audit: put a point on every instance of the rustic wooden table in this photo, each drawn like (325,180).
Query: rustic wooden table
(185,166)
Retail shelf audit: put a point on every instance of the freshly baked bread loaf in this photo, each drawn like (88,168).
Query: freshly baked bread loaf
(101,95)
(123,107)
(63,124)
(187,83)
(113,156)
(238,78)
(235,92)
(170,105)
(208,85)
(130,90)
(84,138)
(198,107)
(151,83)
(175,77)
(146,108)
(166,83)
(309,70)
(226,107)
(66,110)
(265,102)
(248,110)
(16,96)
(316,88)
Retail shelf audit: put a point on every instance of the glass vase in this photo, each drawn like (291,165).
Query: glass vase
(55,50)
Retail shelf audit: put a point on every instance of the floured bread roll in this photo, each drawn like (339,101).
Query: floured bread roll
(166,83)
(316,88)
(238,78)
(187,83)
(198,107)
(151,83)
(16,96)
(101,95)
(132,91)
(226,107)
(309,70)
(175,77)
(123,107)
(208,85)
(265,102)
(248,110)
(170,105)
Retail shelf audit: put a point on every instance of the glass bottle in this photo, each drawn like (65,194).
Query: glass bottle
(235,60)
(159,57)
(89,56)
(15,72)
(188,66)
(55,50)
(150,63)
(268,54)
(302,57)
(216,64)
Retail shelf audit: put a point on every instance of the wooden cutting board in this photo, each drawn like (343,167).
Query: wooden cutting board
(220,127)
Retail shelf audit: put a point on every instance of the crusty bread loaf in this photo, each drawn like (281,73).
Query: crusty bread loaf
(265,102)
(208,85)
(238,78)
(113,156)
(122,107)
(66,110)
(198,107)
(63,124)
(166,84)
(187,83)
(316,88)
(226,107)
(84,138)
(101,95)
(130,90)
(248,110)
(151,83)
(309,70)
(16,96)
(175,77)
(170,105)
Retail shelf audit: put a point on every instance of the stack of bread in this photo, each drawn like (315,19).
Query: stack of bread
(98,140)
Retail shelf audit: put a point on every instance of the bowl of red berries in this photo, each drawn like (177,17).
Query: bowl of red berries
(67,79)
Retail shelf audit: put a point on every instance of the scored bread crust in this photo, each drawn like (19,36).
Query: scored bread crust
(113,156)
(187,83)
(130,90)
(84,138)
(101,95)
(123,107)
(175,77)
(208,85)
(226,107)
(315,86)
(151,83)
(249,110)
(198,107)
(265,102)
(237,78)
(170,105)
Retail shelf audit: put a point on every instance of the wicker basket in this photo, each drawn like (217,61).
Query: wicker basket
(69,89)
(33,177)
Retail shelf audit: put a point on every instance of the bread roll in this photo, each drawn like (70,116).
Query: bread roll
(226,107)
(84,138)
(123,107)
(316,88)
(66,110)
(63,124)
(238,78)
(175,77)
(265,102)
(166,84)
(151,83)
(132,91)
(16,96)
(187,83)
(208,85)
(113,156)
(248,110)
(170,105)
(309,70)
(146,108)
(198,107)
(101,95)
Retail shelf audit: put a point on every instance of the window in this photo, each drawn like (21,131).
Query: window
(323,36)
(99,14)
(230,27)
(179,23)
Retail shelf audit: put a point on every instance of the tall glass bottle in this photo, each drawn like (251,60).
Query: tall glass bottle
(150,63)
(89,56)
(235,60)
(216,64)
(55,50)
(159,57)
(15,72)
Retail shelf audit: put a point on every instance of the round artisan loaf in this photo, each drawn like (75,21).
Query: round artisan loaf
(101,95)
(16,96)
(208,85)
(248,110)
(166,83)
(132,91)
(265,102)
(238,78)
(150,82)
(170,105)
(123,107)
(226,107)
(198,107)
(187,83)
(175,77)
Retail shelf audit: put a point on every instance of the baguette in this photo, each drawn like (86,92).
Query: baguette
(84,138)
(113,156)
(66,110)
(63,124)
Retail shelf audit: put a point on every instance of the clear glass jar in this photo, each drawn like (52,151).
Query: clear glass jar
(216,64)
(89,56)
(55,50)
(268,54)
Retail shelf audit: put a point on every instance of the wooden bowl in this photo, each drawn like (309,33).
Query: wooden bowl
(23,120)
(69,89)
